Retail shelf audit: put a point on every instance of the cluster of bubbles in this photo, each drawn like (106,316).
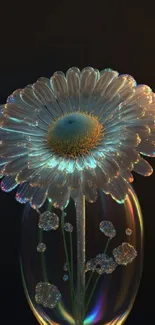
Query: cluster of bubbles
(122,255)
(48,221)
(101,264)
(107,228)
(47,294)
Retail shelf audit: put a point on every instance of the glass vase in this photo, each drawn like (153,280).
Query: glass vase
(82,264)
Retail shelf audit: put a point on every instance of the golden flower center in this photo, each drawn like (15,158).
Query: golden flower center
(75,134)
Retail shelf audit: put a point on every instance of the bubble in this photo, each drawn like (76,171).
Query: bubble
(48,221)
(47,294)
(65,277)
(68,227)
(41,247)
(65,267)
(128,231)
(107,228)
(124,254)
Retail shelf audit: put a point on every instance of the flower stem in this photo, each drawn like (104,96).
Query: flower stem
(89,300)
(71,266)
(45,277)
(106,246)
(80,228)
(67,258)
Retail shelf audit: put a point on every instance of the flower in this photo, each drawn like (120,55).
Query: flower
(85,130)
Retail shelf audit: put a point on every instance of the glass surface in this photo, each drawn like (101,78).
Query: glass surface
(49,241)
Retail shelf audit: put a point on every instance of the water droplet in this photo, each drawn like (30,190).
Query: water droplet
(47,294)
(124,254)
(41,247)
(65,277)
(68,227)
(128,231)
(107,228)
(48,221)
(65,267)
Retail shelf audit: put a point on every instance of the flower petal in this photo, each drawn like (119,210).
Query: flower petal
(118,189)
(25,192)
(143,168)
(13,151)
(8,183)
(15,166)
(73,81)
(15,127)
(39,198)
(88,80)
(60,88)
(59,196)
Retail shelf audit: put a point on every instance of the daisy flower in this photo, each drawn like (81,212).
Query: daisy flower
(80,131)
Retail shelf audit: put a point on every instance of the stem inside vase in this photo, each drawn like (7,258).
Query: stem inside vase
(80,228)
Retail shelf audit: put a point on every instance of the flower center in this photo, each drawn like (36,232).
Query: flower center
(75,134)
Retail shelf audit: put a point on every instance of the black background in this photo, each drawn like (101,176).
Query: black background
(38,39)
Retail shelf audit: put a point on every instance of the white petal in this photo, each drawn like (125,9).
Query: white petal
(39,198)
(126,174)
(107,76)
(15,166)
(98,98)
(28,97)
(73,81)
(109,167)
(13,151)
(8,183)
(88,80)
(25,192)
(12,126)
(27,174)
(143,168)
(147,147)
(116,85)
(20,114)
(59,196)
(89,192)
(43,92)
(118,189)
(60,87)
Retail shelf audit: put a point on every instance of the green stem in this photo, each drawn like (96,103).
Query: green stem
(45,277)
(106,246)
(88,282)
(71,265)
(67,258)
(90,277)
(89,300)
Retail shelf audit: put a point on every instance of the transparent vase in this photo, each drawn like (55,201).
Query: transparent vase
(82,264)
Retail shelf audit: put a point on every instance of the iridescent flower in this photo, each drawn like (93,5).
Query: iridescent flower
(81,131)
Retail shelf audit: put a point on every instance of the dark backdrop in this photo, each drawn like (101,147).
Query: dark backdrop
(37,40)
